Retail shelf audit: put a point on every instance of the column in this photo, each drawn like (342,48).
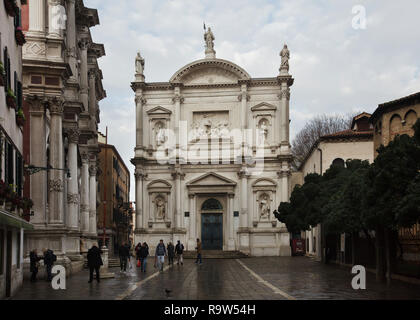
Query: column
(243,220)
(54,10)
(84,44)
(177,100)
(37,16)
(38,181)
(84,207)
(92,198)
(139,198)
(92,93)
(178,175)
(140,102)
(193,220)
(73,192)
(283,176)
(284,113)
(71,38)
(231,222)
(56,177)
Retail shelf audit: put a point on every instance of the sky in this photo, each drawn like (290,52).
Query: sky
(339,64)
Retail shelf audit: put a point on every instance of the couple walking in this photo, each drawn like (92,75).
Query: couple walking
(142,252)
(170,251)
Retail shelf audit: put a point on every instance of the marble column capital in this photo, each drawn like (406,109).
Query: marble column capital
(84,43)
(244,173)
(284,94)
(178,98)
(92,170)
(231,195)
(73,135)
(85,157)
(140,174)
(244,95)
(55,185)
(55,104)
(178,175)
(73,198)
(140,99)
(191,195)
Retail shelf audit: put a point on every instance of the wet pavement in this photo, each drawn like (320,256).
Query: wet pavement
(225,279)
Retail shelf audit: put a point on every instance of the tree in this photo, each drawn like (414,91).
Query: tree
(343,211)
(388,180)
(315,128)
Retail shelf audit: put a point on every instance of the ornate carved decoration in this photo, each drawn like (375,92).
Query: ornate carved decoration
(92,170)
(178,98)
(84,207)
(55,104)
(55,185)
(140,99)
(84,43)
(73,135)
(72,198)
(244,95)
(285,93)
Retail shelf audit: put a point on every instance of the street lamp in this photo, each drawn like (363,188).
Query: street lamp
(31,169)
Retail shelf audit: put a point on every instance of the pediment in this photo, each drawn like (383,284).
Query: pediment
(210,71)
(159,184)
(264,106)
(211,179)
(264,182)
(158,111)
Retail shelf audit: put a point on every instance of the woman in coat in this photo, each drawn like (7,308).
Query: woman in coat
(171,253)
(34,264)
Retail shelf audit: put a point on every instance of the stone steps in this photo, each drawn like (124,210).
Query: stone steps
(112,263)
(215,254)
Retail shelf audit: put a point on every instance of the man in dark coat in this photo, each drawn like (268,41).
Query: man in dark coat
(49,259)
(124,253)
(171,253)
(143,253)
(94,262)
(34,265)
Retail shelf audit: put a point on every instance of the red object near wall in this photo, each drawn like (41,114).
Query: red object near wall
(298,247)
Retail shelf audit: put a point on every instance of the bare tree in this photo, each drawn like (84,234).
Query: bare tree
(318,126)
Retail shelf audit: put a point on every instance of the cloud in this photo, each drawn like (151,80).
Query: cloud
(336,68)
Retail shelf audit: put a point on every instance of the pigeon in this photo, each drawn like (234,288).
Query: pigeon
(168,292)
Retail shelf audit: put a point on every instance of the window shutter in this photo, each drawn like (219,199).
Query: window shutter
(9,76)
(5,67)
(6,160)
(15,83)
(19,95)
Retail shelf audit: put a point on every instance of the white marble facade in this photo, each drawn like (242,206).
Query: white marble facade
(212,156)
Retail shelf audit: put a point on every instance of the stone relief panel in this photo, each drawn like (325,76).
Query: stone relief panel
(210,76)
(212,124)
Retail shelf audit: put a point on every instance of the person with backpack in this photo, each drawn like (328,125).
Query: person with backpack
(179,251)
(94,262)
(34,264)
(124,253)
(143,253)
(160,255)
(49,259)
(171,253)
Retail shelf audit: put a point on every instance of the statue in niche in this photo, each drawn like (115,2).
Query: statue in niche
(263,130)
(160,134)
(139,64)
(265,206)
(160,208)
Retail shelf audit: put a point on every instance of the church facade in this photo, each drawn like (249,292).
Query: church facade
(212,156)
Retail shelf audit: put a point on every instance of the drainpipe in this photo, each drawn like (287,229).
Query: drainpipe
(320,225)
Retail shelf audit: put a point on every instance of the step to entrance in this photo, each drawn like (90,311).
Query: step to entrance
(215,254)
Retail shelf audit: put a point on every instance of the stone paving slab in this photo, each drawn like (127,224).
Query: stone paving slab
(268,278)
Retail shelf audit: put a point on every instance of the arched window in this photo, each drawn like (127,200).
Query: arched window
(410,119)
(395,126)
(338,162)
(211,204)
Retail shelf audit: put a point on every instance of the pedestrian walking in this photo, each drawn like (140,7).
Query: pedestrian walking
(160,255)
(137,252)
(198,248)
(124,253)
(94,262)
(179,251)
(34,264)
(171,253)
(49,259)
(143,253)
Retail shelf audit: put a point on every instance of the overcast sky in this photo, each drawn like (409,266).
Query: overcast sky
(337,69)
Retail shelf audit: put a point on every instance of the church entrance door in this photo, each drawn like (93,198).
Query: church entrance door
(212,225)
